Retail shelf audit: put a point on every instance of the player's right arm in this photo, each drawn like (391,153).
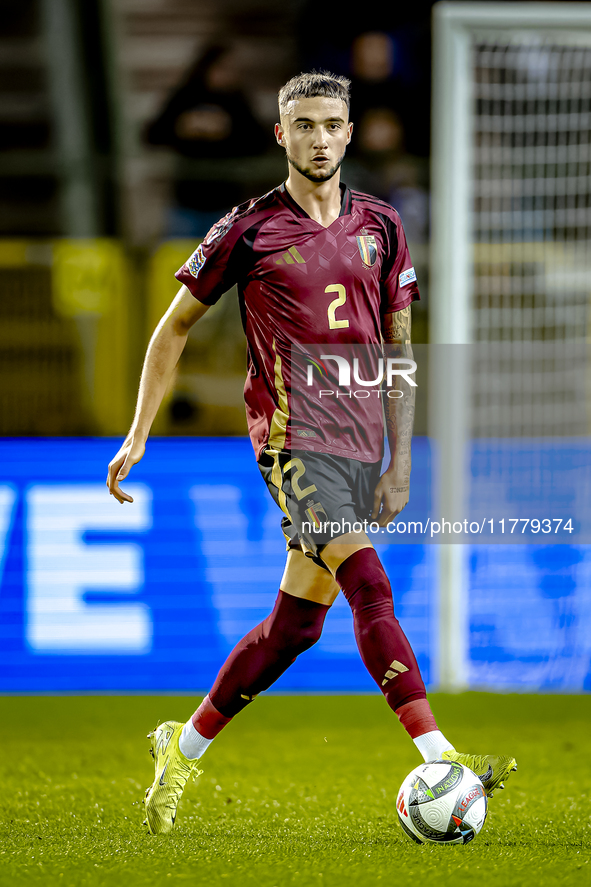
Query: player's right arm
(208,273)
(162,356)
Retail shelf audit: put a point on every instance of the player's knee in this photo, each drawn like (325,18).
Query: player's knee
(296,639)
(310,634)
(365,584)
(296,624)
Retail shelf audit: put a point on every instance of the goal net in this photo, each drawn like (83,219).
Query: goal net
(510,290)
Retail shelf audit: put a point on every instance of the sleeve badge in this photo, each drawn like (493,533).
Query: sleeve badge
(196,262)
(406,277)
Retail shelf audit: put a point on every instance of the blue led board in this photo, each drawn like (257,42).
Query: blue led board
(100,597)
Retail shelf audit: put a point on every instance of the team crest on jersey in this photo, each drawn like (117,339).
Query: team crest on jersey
(316,514)
(196,262)
(367,249)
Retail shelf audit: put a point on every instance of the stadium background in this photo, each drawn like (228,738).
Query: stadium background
(110,174)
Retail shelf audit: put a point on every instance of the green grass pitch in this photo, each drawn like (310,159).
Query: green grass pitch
(297,791)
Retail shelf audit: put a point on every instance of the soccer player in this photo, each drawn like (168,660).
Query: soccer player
(315,264)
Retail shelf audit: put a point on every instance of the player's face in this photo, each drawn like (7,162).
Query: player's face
(315,134)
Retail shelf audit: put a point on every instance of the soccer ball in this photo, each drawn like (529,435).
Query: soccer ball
(443,802)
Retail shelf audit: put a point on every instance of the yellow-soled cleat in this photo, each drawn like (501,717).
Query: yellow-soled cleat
(492,770)
(173,770)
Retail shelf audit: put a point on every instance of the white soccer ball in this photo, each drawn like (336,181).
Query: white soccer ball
(442,802)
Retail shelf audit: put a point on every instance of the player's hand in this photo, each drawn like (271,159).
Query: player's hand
(389,499)
(130,453)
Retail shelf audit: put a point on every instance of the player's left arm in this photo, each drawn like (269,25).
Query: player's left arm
(392,491)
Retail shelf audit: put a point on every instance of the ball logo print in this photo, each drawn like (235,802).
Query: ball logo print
(443,803)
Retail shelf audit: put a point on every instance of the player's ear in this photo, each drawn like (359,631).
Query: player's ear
(349,132)
(279,135)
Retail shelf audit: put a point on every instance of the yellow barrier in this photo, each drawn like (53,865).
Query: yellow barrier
(90,284)
(75,319)
(162,287)
(65,325)
(162,284)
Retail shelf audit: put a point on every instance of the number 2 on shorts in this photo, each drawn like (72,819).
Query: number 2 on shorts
(333,323)
(295,478)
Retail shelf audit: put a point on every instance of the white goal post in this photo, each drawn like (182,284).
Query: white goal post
(511,236)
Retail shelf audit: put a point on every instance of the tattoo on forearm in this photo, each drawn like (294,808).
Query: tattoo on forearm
(397,326)
(399,422)
(399,411)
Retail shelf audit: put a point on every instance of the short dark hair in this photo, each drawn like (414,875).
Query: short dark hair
(316,83)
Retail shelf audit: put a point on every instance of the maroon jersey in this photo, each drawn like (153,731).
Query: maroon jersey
(299,285)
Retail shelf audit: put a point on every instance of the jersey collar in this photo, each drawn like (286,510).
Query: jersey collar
(346,201)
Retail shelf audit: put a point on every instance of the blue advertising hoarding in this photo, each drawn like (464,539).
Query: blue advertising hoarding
(100,597)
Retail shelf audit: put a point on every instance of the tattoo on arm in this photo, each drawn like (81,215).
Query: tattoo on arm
(400,410)
(400,414)
(396,327)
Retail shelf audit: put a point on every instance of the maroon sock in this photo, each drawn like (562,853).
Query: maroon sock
(417,718)
(266,652)
(384,648)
